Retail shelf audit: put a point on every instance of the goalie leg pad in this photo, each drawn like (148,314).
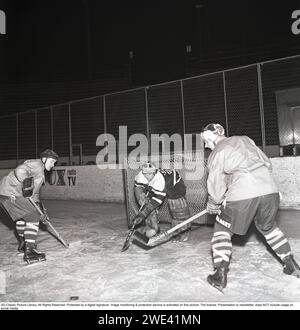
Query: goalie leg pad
(179,209)
(180,212)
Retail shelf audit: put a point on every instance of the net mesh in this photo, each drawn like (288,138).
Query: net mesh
(190,166)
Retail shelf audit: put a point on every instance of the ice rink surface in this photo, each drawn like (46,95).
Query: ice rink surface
(93,268)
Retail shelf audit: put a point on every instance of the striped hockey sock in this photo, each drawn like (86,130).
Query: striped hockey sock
(221,247)
(31,231)
(20,227)
(279,243)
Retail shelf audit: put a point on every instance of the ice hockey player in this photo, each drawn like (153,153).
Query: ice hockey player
(241,189)
(152,186)
(15,188)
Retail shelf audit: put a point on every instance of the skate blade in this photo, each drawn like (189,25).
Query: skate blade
(296,274)
(125,247)
(35,263)
(219,288)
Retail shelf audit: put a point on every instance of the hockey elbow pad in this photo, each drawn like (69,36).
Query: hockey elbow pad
(27,188)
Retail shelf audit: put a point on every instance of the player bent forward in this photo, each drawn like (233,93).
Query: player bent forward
(241,188)
(152,186)
(26,181)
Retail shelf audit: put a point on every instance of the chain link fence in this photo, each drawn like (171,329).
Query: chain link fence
(242,99)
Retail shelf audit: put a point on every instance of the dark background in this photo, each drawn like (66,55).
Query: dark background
(54,41)
(71,40)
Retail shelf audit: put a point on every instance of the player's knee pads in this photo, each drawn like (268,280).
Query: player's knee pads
(265,228)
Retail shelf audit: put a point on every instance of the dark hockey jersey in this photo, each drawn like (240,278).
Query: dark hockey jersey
(166,183)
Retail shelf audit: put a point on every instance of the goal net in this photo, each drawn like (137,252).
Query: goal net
(190,166)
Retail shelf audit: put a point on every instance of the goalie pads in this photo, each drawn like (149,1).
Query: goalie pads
(27,187)
(179,209)
(180,212)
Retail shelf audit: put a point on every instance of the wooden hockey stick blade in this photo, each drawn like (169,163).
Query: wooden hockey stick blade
(125,247)
(166,235)
(141,237)
(141,244)
(130,233)
(128,238)
(146,242)
(141,240)
(57,235)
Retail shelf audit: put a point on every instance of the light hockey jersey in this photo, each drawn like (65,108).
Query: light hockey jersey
(11,185)
(166,183)
(238,170)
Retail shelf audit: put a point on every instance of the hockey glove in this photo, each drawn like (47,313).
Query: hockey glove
(138,220)
(146,210)
(44,218)
(42,207)
(212,208)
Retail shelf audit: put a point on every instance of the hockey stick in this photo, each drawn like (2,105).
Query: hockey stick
(48,224)
(130,233)
(164,236)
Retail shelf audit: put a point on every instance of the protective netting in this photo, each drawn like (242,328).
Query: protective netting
(190,166)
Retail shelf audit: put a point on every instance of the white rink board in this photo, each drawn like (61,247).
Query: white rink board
(85,183)
(92,184)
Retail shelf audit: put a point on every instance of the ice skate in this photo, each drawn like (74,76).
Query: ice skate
(32,255)
(21,247)
(219,279)
(291,267)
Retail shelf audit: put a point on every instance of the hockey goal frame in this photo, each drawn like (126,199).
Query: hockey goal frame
(196,194)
